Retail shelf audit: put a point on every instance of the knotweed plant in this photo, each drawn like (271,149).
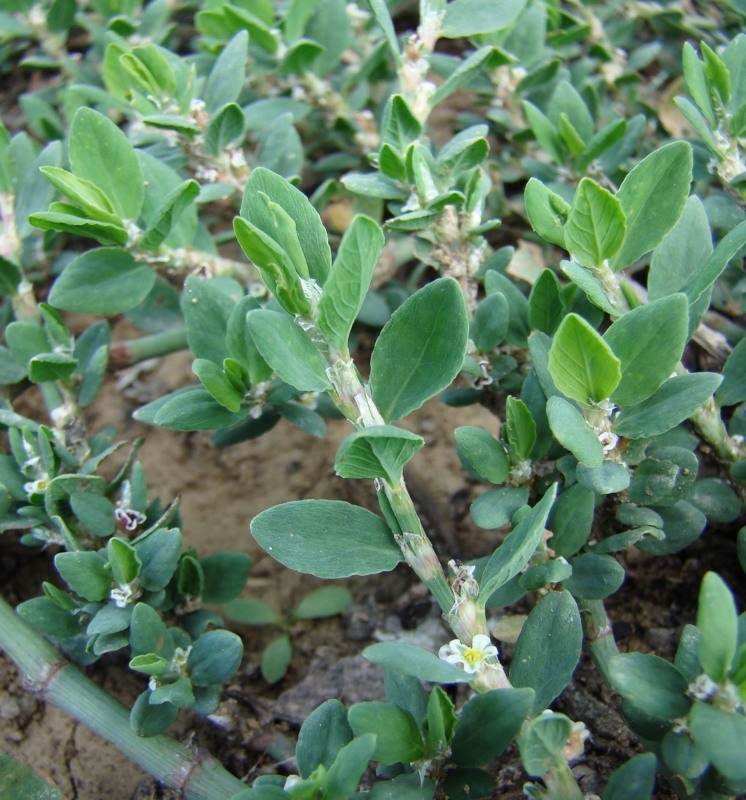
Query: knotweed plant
(253,182)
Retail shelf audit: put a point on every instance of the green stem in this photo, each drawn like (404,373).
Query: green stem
(127,353)
(197,775)
(353,399)
(186,259)
(599,635)
(417,547)
(711,428)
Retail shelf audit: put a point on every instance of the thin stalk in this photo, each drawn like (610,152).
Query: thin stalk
(710,426)
(416,546)
(599,635)
(133,351)
(197,775)
(353,398)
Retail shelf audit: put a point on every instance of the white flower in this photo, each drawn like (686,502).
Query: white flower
(471,658)
(124,594)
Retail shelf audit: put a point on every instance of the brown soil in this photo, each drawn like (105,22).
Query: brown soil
(254,728)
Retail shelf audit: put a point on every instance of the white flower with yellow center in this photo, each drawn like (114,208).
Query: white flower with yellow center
(471,658)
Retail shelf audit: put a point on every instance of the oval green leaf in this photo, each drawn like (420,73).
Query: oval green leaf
(105,280)
(420,349)
(581,364)
(326,538)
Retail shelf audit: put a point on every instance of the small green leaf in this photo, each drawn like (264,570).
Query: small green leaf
(310,229)
(86,194)
(547,212)
(664,478)
(635,778)
(652,197)
(608,478)
(681,254)
(488,723)
(225,576)
(48,618)
(590,283)
(718,627)
(207,307)
(275,265)
(481,454)
(46,367)
(541,746)
(351,762)
(487,57)
(192,409)
(594,576)
(178,693)
(545,305)
(150,720)
(681,755)
(124,560)
(682,524)
(676,400)
(548,137)
(514,553)
(440,723)
(323,734)
(225,128)
(722,736)
(349,280)
(595,226)
(214,658)
(649,342)
(727,248)
(150,664)
(414,661)
(227,75)
(380,451)
(100,153)
(696,82)
(490,324)
(573,432)
(249,611)
(383,18)
(571,520)
(325,602)
(407,368)
(582,365)
(326,538)
(85,573)
(276,659)
(520,429)
(287,349)
(398,737)
(166,216)
(94,511)
(548,648)
(105,280)
(495,508)
(470,17)
(149,635)
(650,684)
(715,499)
(159,553)
(217,383)
(399,126)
